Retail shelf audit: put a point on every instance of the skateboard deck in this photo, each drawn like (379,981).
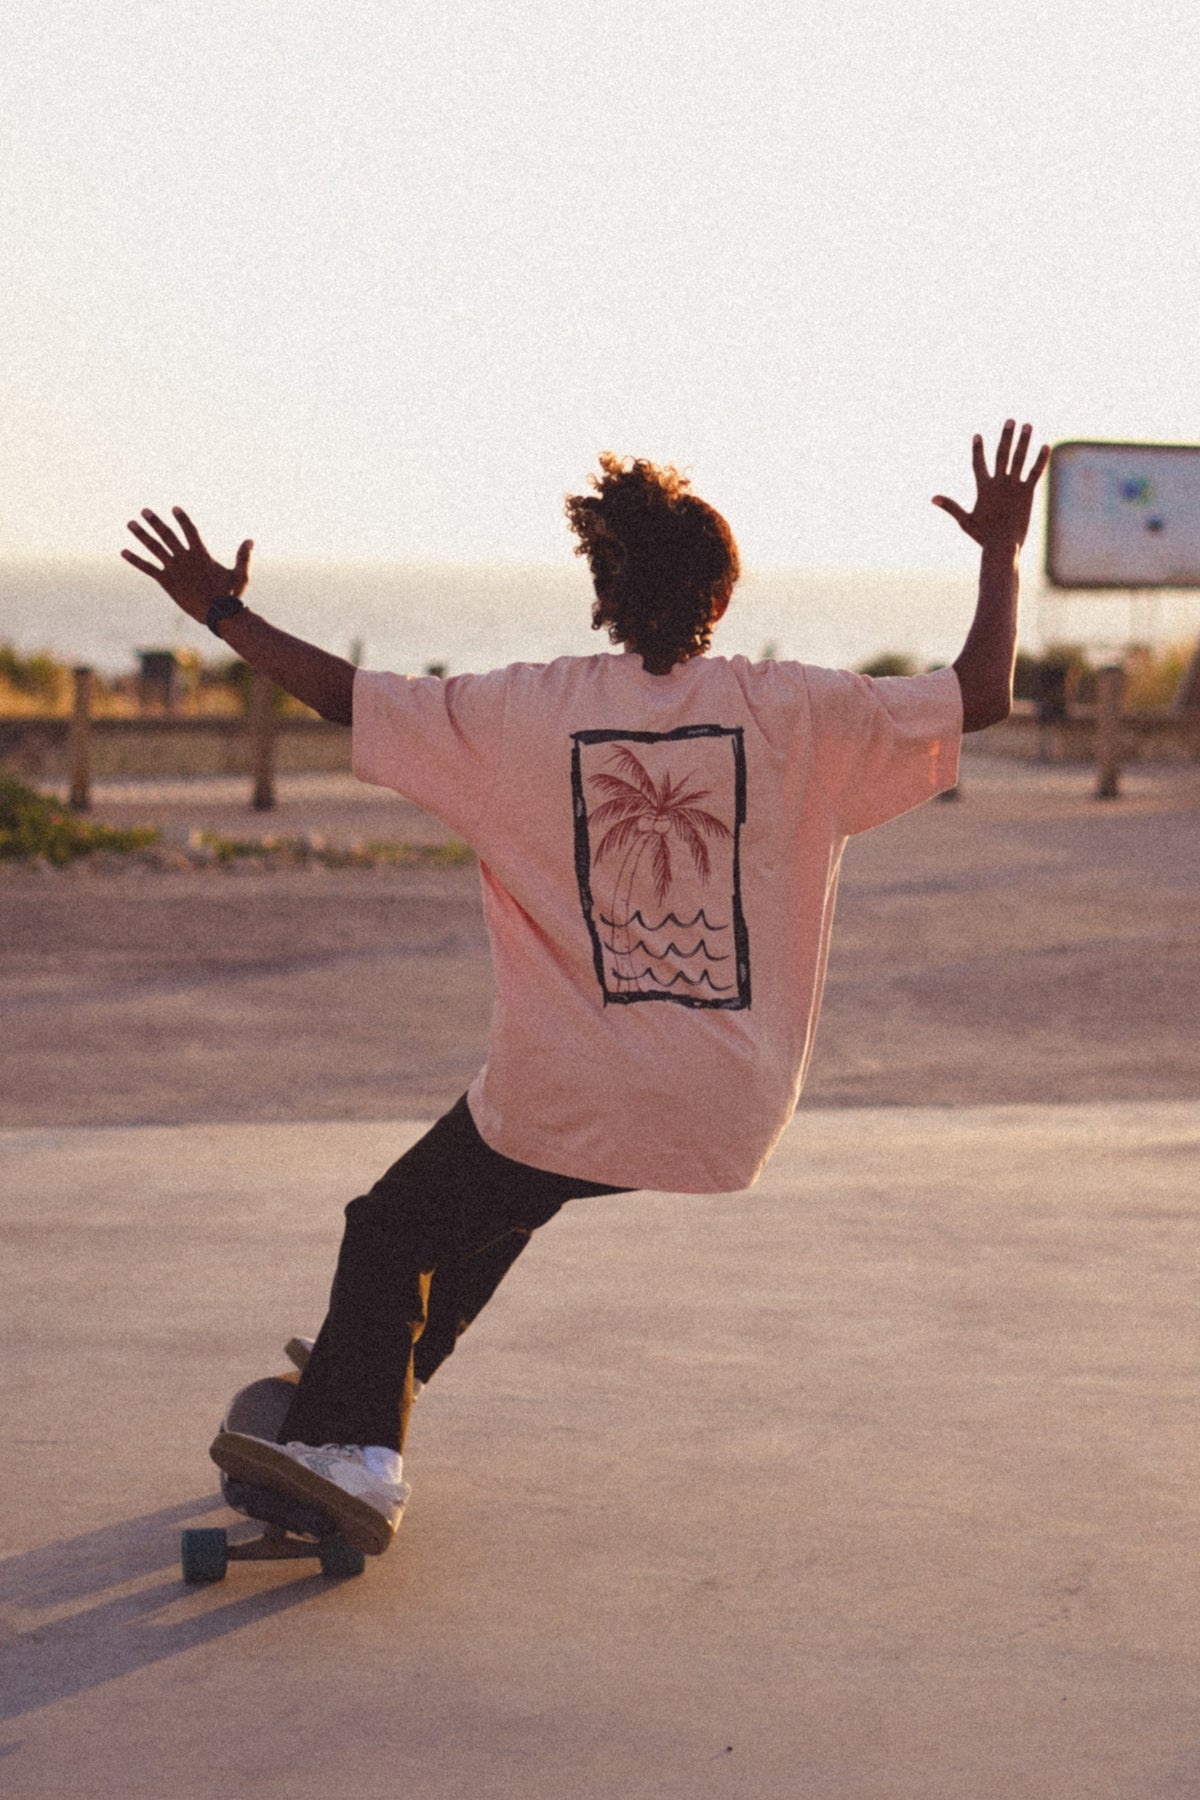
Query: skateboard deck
(293,1529)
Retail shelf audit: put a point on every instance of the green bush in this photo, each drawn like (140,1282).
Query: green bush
(37,674)
(889,662)
(32,824)
(1061,668)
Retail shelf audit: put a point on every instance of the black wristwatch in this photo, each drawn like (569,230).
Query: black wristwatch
(225,606)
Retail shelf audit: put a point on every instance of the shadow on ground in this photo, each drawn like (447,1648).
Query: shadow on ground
(93,1608)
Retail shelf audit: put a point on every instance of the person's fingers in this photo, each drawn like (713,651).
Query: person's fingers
(152,544)
(145,567)
(191,535)
(241,568)
(1035,474)
(1004,446)
(978,460)
(1018,461)
(164,531)
(953,508)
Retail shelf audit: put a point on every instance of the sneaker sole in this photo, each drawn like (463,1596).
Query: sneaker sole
(362,1525)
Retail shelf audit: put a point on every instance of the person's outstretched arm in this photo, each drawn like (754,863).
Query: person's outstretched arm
(998,523)
(194,579)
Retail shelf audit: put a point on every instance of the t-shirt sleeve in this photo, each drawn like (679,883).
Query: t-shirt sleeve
(885,744)
(436,742)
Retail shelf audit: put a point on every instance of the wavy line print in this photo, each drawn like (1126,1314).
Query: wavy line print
(702,980)
(671,950)
(670,918)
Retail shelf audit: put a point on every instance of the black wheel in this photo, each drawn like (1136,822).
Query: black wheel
(339,1558)
(205,1555)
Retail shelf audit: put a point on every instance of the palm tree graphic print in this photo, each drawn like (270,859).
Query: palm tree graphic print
(656,820)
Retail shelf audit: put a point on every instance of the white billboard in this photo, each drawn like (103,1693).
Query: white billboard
(1123,516)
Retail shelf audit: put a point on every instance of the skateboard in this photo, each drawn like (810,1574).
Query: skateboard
(293,1530)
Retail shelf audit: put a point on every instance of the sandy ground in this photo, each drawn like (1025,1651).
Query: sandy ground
(875,1484)
(1023,943)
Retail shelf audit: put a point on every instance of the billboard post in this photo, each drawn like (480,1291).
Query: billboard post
(1108,732)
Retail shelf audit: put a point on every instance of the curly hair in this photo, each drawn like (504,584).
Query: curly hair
(662,560)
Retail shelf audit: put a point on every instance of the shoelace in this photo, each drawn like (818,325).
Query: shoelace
(346,1449)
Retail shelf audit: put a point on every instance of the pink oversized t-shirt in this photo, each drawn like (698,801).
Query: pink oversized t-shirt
(659,857)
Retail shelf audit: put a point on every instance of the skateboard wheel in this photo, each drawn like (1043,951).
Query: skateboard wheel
(205,1555)
(339,1558)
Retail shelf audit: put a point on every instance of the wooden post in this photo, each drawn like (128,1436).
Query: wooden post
(80,742)
(262,728)
(1186,698)
(1108,732)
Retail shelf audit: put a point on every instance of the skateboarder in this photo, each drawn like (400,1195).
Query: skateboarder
(659,835)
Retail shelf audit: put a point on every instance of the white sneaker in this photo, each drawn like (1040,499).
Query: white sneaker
(299,1349)
(362,1490)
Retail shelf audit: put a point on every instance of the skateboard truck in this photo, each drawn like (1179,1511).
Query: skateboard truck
(207,1553)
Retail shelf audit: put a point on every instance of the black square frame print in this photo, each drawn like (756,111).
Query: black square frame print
(658,818)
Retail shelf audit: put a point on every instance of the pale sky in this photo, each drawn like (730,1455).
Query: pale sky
(379,280)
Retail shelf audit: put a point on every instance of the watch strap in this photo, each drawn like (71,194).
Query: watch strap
(225,606)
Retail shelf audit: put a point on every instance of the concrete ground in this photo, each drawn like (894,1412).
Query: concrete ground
(877,1483)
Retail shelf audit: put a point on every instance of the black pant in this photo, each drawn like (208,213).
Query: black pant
(422,1253)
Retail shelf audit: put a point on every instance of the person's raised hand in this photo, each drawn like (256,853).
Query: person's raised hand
(1003,499)
(186,571)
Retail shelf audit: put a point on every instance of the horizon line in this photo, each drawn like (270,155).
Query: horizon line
(514,565)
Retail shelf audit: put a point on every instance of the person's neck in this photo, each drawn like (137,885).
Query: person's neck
(680,663)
